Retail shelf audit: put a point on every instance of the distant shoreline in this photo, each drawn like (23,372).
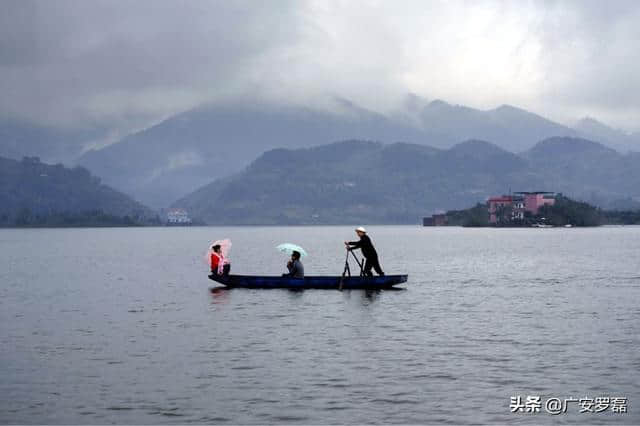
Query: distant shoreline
(419,226)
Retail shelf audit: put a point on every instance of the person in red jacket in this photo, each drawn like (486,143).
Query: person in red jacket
(219,265)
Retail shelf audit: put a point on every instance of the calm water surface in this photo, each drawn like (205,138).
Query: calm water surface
(119,326)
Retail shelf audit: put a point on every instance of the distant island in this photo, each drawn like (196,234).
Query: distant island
(532,209)
(35,194)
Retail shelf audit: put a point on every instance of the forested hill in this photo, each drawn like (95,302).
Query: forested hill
(37,194)
(352,182)
(369,182)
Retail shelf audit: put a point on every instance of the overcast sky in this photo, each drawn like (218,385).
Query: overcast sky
(124,63)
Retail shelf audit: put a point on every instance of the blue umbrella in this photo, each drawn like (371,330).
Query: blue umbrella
(290,248)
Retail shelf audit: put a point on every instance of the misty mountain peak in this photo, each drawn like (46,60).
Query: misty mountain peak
(598,128)
(438,103)
(477,148)
(510,109)
(592,128)
(588,121)
(569,146)
(414,103)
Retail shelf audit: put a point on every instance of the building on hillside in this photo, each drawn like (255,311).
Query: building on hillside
(178,217)
(507,208)
(499,207)
(534,200)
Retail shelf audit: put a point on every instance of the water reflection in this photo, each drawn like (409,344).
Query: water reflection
(220,295)
(295,293)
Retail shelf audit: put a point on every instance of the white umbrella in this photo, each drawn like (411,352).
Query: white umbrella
(289,248)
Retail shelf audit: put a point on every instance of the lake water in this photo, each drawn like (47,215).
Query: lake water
(119,326)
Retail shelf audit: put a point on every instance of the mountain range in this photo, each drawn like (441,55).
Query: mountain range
(370,182)
(166,161)
(172,158)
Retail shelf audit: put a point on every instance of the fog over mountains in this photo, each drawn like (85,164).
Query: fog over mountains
(166,161)
(617,139)
(184,152)
(19,138)
(167,107)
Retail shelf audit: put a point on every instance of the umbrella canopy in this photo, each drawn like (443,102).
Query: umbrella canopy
(290,248)
(225,246)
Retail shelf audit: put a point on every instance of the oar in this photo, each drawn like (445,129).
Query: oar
(361,265)
(344,271)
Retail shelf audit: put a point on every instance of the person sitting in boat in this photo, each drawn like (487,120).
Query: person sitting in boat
(368,251)
(295,267)
(219,264)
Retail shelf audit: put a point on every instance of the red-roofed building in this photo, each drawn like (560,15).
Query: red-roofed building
(507,208)
(534,200)
(500,208)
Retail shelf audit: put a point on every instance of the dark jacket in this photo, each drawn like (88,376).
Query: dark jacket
(365,246)
(296,269)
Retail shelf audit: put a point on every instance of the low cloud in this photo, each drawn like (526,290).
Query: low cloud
(126,64)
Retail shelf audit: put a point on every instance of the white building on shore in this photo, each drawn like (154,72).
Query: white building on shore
(178,217)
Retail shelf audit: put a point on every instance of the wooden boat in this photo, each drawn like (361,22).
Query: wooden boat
(323,282)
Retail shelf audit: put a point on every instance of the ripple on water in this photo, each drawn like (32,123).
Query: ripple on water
(485,315)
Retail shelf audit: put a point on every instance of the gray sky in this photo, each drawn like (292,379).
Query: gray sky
(129,63)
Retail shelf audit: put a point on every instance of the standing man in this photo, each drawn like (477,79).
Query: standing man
(368,251)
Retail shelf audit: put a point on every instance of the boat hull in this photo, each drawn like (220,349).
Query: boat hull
(353,282)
